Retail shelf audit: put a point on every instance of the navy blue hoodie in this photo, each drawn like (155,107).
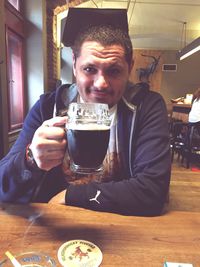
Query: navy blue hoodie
(144,141)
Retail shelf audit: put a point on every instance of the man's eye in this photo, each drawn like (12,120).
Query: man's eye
(114,72)
(90,70)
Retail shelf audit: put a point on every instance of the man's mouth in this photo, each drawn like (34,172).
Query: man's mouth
(100,93)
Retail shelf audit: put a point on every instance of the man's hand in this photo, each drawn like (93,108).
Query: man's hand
(59,198)
(49,143)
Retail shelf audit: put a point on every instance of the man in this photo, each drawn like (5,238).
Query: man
(137,165)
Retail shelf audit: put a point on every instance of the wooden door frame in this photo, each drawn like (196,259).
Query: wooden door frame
(4,140)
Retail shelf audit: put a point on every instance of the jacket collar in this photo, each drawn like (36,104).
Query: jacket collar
(133,96)
(135,93)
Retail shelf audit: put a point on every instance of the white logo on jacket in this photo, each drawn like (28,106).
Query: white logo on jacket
(96,196)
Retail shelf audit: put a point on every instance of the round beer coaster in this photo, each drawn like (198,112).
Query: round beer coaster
(79,253)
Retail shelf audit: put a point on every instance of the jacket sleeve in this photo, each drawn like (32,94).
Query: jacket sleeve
(17,182)
(144,187)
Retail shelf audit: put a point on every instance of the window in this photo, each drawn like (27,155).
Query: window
(15,65)
(15,80)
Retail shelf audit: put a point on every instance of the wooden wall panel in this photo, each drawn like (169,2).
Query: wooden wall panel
(143,62)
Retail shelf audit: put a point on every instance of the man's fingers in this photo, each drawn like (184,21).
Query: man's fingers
(55,133)
(51,143)
(56,121)
(51,155)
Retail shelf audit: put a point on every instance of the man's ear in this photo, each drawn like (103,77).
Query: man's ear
(74,64)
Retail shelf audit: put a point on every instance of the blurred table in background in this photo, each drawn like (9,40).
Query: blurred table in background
(123,240)
(181,112)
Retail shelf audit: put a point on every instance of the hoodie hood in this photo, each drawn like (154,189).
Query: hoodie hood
(133,96)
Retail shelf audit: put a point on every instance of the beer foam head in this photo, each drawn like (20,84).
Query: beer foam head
(87,127)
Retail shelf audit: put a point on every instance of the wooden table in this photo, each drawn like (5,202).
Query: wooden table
(124,240)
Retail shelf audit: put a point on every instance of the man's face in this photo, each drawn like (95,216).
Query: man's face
(101,73)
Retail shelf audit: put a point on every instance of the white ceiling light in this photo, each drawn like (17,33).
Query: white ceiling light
(190,49)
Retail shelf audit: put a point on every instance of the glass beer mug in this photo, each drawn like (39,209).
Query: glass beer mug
(88,132)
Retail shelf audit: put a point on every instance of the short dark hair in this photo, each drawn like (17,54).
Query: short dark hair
(105,35)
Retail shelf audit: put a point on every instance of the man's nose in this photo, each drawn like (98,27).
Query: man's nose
(101,82)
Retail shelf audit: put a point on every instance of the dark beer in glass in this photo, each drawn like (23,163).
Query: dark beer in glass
(88,132)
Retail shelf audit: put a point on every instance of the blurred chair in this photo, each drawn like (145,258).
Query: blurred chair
(191,149)
(178,137)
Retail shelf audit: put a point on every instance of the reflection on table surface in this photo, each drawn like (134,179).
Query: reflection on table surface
(123,240)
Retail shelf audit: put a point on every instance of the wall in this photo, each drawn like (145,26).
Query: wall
(66,65)
(185,80)
(59,65)
(142,60)
(170,84)
(34,50)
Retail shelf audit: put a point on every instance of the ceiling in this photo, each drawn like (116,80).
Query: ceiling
(158,24)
